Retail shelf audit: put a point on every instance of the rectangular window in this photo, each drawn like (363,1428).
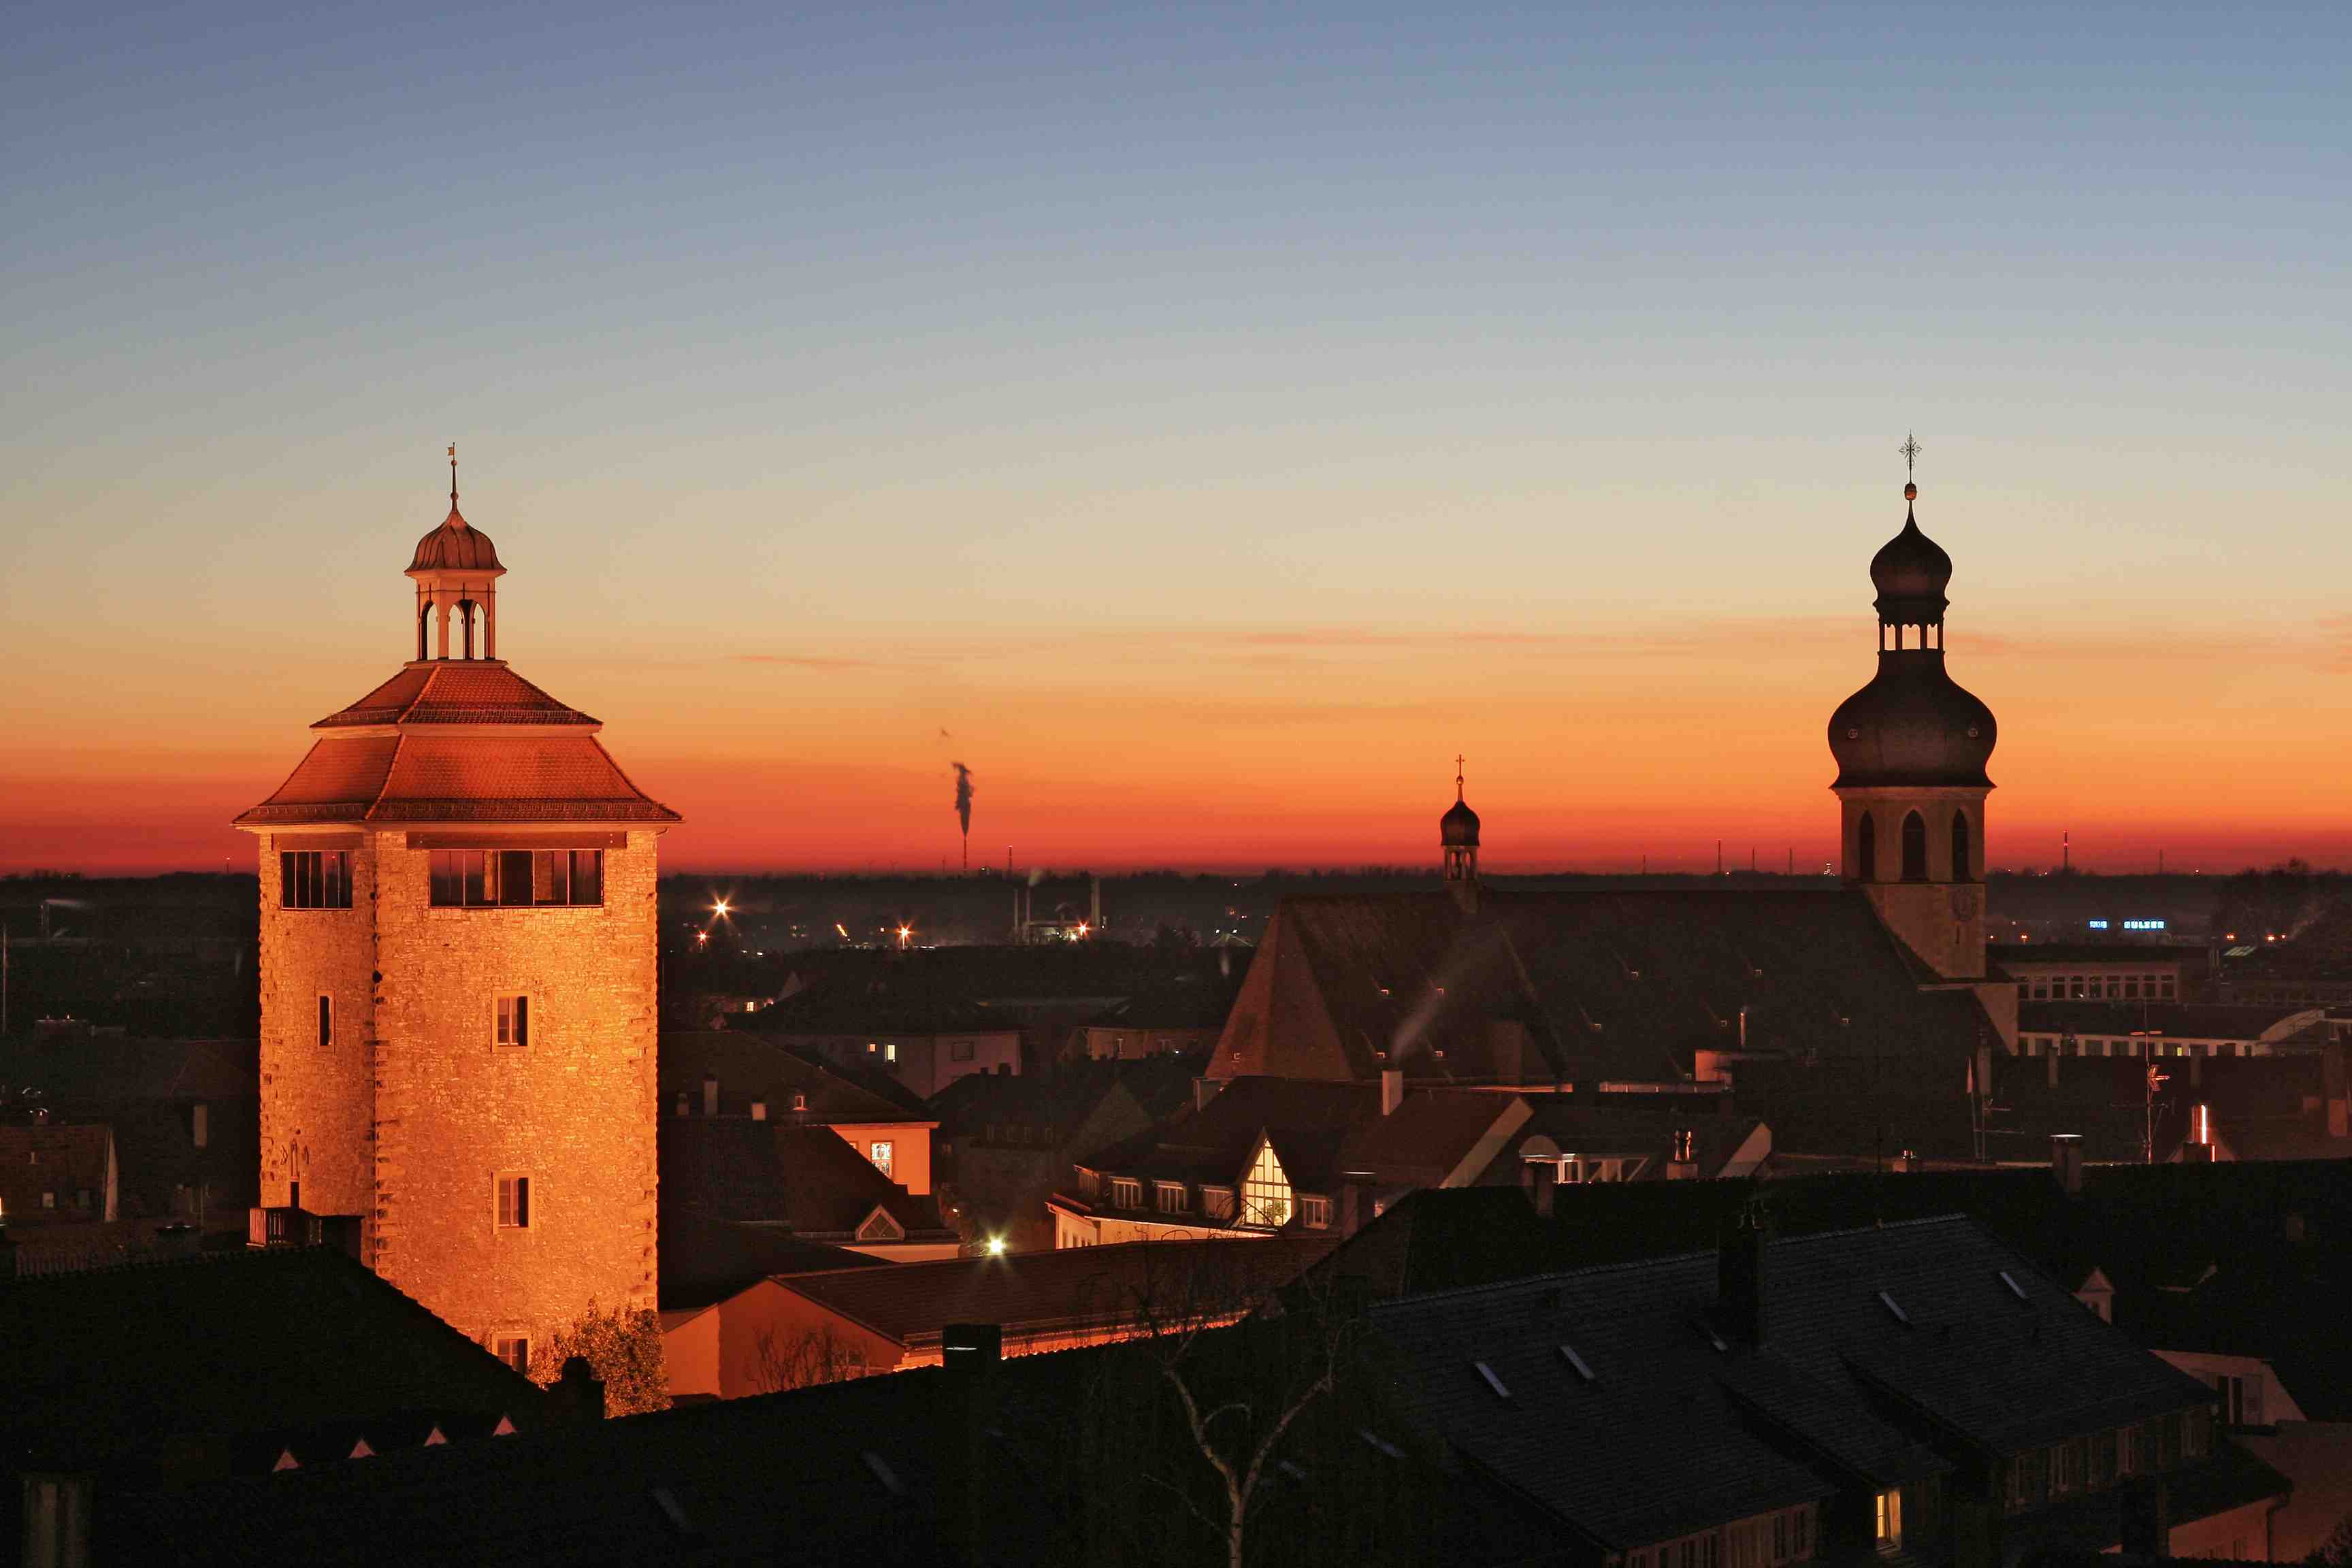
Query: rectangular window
(2196,1430)
(2167,984)
(314,880)
(1171,1196)
(1125,1193)
(1315,1213)
(890,1050)
(881,1151)
(514,1350)
(326,1020)
(2129,1460)
(516,879)
(200,1124)
(510,1024)
(2066,1466)
(960,1050)
(1890,1520)
(514,1203)
(1217,1203)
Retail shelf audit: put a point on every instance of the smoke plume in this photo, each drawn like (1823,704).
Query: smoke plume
(963,796)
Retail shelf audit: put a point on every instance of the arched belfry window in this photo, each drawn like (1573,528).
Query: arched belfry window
(423,620)
(1914,848)
(1866,850)
(466,617)
(1964,864)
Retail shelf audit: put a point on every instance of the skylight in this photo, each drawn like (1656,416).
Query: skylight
(1567,1353)
(1889,1302)
(1492,1381)
(2014,1288)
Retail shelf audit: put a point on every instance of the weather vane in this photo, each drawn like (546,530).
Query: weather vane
(1910,450)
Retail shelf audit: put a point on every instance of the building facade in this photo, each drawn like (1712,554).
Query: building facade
(457,971)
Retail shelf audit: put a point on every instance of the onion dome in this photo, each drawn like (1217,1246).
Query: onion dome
(1913,725)
(1911,572)
(455,546)
(1458,829)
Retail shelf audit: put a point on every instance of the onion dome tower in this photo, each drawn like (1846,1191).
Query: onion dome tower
(457,981)
(1457,836)
(1911,749)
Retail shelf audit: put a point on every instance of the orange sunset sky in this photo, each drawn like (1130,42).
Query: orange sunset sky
(1201,424)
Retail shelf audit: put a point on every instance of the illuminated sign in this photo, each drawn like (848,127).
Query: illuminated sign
(2127,925)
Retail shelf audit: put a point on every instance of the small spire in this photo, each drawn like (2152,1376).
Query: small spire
(1457,777)
(1910,450)
(452,475)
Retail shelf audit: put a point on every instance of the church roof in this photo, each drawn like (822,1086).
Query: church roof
(455,691)
(1608,986)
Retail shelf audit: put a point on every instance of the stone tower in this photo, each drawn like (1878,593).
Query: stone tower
(1911,749)
(458,980)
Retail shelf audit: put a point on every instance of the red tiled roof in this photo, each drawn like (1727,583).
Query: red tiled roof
(455,691)
(457,778)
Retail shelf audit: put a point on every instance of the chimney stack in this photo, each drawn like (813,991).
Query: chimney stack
(1741,1272)
(579,1392)
(1355,1201)
(2066,1161)
(709,1095)
(1391,1089)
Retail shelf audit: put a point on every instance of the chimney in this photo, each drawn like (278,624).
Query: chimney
(709,1095)
(578,1394)
(2198,1150)
(1542,1179)
(2066,1161)
(968,1354)
(1391,1089)
(1684,1166)
(1740,1269)
(1355,1201)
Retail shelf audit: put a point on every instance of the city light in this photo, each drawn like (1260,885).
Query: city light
(996,1247)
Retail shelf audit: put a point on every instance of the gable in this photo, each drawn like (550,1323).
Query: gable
(880,1226)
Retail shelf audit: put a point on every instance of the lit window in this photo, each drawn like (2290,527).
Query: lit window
(314,880)
(1266,1190)
(1890,1520)
(1125,1192)
(1217,1203)
(200,1124)
(1171,1196)
(880,1151)
(890,1051)
(1315,1213)
(511,1025)
(514,1350)
(514,1203)
(326,1020)
(516,878)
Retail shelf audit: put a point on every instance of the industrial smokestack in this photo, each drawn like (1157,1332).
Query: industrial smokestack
(964,808)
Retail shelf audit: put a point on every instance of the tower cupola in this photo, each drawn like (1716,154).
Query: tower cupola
(1457,838)
(455,569)
(1911,749)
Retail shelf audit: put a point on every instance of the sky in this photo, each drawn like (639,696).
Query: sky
(1202,421)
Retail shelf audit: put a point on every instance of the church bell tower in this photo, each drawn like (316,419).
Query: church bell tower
(1911,749)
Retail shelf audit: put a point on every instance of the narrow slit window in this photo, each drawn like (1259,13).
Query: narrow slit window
(326,1020)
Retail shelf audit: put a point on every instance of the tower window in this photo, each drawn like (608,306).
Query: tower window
(1865,849)
(514,1203)
(514,879)
(1914,848)
(326,1020)
(1963,863)
(514,1350)
(314,880)
(510,1023)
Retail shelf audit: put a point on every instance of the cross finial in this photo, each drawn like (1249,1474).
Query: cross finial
(452,475)
(1910,450)
(1458,775)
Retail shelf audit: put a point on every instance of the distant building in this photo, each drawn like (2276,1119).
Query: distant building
(2079,972)
(804,1181)
(458,979)
(732,1074)
(1284,1157)
(56,1173)
(1007,1141)
(926,1043)
(796,1328)
(1790,1001)
(185,1114)
(2173,1029)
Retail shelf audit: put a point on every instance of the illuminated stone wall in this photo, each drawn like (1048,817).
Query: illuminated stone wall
(424,1095)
